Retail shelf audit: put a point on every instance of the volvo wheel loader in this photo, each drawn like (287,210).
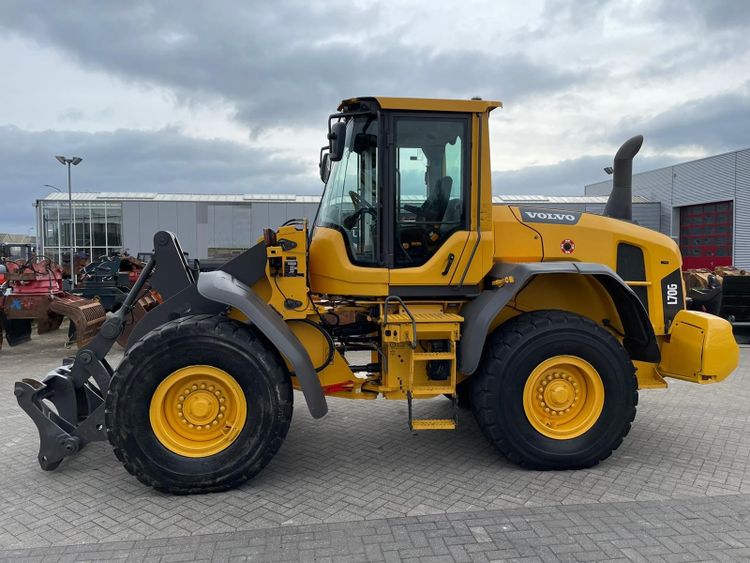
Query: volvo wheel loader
(546,323)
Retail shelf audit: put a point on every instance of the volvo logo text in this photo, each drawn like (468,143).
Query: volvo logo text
(539,216)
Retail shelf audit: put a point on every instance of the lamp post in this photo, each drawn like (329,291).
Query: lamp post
(75,161)
(41,239)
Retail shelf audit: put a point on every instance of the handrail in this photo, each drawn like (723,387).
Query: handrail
(408,312)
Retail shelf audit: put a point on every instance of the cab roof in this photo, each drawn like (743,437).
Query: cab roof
(422,104)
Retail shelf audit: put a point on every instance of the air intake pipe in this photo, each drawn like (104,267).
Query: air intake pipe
(620,202)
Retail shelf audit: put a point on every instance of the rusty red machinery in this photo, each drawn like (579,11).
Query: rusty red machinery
(33,291)
(108,280)
(13,251)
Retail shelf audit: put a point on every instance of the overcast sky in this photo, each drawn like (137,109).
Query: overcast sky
(232,97)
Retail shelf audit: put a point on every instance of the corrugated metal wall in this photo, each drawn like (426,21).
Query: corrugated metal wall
(704,181)
(742,210)
(142,219)
(724,177)
(598,188)
(201,225)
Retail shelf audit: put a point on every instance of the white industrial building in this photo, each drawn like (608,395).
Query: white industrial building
(206,225)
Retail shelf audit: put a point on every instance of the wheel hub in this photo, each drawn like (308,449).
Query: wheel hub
(563,397)
(197,411)
(200,407)
(559,393)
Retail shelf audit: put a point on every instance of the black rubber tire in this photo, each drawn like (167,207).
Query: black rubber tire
(513,351)
(199,340)
(463,390)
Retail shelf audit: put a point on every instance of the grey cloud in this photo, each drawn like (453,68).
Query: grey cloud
(125,160)
(684,35)
(286,63)
(717,123)
(562,14)
(688,58)
(708,15)
(72,114)
(714,14)
(278,62)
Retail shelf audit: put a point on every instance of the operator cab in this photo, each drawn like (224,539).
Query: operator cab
(399,185)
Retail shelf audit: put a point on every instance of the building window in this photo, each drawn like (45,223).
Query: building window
(97,226)
(706,235)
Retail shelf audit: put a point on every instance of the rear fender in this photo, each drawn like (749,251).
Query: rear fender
(221,287)
(510,279)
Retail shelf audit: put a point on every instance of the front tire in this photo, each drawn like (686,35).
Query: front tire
(554,391)
(200,404)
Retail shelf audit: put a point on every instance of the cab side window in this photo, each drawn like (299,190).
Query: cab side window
(350,202)
(430,161)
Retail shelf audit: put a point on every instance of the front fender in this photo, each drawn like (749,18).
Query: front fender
(221,287)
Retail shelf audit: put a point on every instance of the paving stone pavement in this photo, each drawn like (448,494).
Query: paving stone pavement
(668,531)
(357,485)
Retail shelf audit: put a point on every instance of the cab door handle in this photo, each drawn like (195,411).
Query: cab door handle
(448,264)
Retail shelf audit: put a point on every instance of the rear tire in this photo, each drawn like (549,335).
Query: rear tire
(538,365)
(463,392)
(249,367)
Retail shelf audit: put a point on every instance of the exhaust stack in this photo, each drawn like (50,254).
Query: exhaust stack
(620,202)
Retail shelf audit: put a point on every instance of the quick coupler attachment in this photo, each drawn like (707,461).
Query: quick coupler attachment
(67,406)
(67,416)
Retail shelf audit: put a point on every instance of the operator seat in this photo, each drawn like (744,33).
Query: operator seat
(452,217)
(433,209)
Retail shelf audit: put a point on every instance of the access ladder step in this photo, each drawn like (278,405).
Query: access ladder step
(433,390)
(427,356)
(433,424)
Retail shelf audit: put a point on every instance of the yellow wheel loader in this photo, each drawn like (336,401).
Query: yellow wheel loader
(545,323)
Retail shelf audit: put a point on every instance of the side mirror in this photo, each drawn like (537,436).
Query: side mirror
(336,140)
(325,167)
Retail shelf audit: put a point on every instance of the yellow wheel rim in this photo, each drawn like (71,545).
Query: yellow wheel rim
(563,397)
(198,411)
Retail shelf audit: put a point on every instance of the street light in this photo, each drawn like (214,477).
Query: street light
(75,161)
(53,187)
(609,170)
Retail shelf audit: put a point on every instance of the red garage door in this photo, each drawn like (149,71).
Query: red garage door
(706,235)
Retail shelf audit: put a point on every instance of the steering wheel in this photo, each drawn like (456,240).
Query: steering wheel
(417,210)
(359,203)
(360,207)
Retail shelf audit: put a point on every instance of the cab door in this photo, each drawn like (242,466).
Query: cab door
(427,236)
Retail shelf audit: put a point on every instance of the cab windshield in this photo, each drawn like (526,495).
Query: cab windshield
(350,200)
